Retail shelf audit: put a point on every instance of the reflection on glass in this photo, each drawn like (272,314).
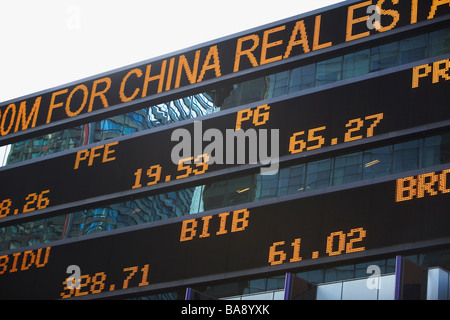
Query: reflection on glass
(278,84)
(197,204)
(413,49)
(377,162)
(313,276)
(246,92)
(329,71)
(202,104)
(439,42)
(232,95)
(135,121)
(158,115)
(318,174)
(436,150)
(384,56)
(108,128)
(4,151)
(406,156)
(214,195)
(239,190)
(266,186)
(179,109)
(303,78)
(338,273)
(292,180)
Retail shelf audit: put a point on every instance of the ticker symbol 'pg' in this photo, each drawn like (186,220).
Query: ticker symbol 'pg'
(374,20)
(73,282)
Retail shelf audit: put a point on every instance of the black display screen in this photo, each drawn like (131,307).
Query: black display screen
(263,46)
(133,165)
(260,237)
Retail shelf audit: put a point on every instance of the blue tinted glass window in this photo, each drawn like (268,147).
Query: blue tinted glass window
(329,71)
(318,174)
(266,186)
(356,64)
(109,128)
(339,273)
(135,121)
(202,104)
(278,84)
(347,168)
(432,151)
(406,156)
(291,180)
(384,56)
(302,78)
(179,109)
(214,195)
(239,189)
(158,115)
(166,205)
(197,200)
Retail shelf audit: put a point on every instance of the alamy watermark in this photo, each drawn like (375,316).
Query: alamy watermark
(373,282)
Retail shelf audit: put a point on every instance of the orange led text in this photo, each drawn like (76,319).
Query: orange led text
(96,152)
(430,184)
(201,227)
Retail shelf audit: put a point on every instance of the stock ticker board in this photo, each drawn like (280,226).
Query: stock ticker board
(269,236)
(257,237)
(236,55)
(304,123)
